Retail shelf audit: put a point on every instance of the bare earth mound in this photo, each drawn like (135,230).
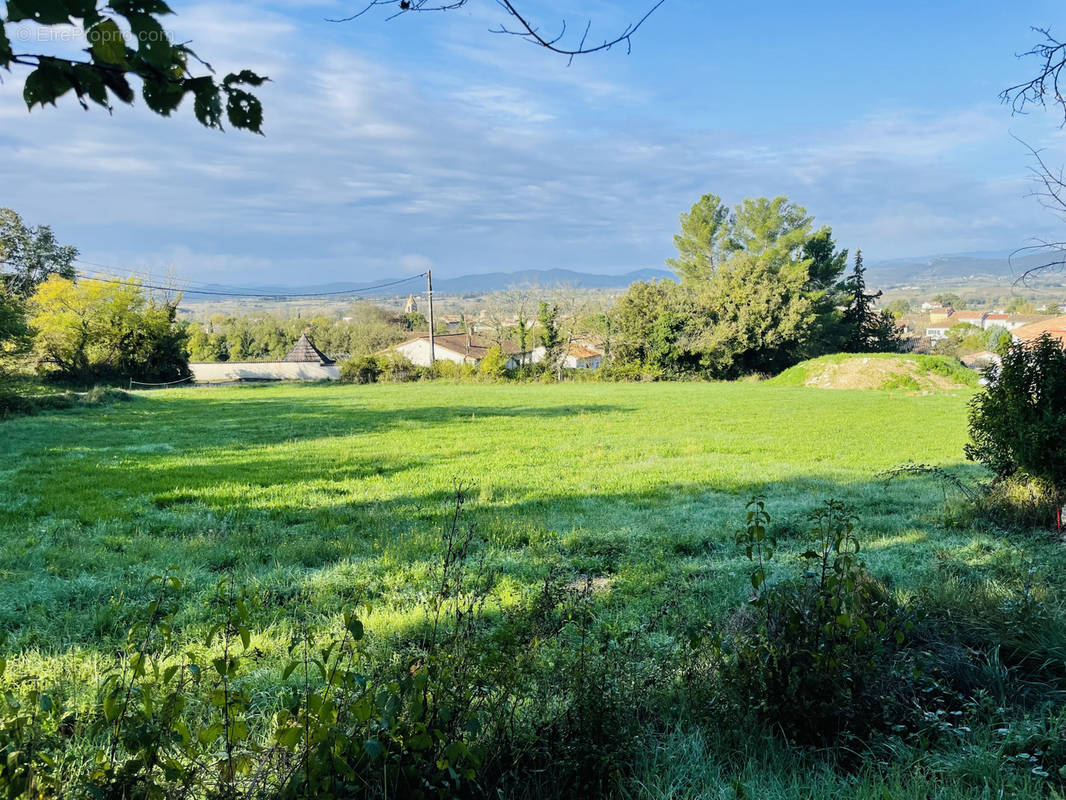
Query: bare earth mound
(885,372)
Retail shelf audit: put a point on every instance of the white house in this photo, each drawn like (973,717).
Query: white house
(462,348)
(305,362)
(937,332)
(578,356)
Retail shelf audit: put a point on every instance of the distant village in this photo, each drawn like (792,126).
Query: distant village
(971,336)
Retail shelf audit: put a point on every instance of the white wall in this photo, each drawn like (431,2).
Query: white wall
(417,352)
(263,370)
(589,362)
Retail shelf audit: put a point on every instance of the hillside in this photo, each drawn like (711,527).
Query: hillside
(885,371)
(953,269)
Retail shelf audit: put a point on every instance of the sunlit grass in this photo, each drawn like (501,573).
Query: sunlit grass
(318,495)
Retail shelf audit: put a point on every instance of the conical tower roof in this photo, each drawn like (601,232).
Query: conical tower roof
(305,352)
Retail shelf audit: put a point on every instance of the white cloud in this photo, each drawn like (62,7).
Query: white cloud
(498,159)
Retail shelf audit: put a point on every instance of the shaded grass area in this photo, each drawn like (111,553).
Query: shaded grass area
(297,485)
(318,497)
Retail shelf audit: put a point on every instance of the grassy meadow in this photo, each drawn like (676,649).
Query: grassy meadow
(319,497)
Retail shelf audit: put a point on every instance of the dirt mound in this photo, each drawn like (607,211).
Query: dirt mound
(909,373)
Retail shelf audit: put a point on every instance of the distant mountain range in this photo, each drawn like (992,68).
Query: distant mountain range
(467,284)
(951,269)
(956,269)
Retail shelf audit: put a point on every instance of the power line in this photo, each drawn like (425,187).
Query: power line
(238,293)
(253,293)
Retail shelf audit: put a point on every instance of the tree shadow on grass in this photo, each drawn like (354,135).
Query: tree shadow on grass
(319,557)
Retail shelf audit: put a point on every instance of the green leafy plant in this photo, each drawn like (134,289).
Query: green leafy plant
(1018,425)
(126,39)
(810,658)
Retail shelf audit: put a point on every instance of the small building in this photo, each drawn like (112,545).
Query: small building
(410,307)
(578,356)
(975,318)
(304,362)
(940,315)
(460,348)
(451,322)
(937,333)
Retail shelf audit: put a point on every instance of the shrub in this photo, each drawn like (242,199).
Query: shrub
(494,364)
(810,652)
(397,368)
(365,369)
(1018,425)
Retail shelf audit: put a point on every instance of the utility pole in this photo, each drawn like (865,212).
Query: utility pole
(429,287)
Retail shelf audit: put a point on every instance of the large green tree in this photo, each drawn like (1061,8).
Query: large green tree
(866,329)
(95,330)
(703,243)
(14,329)
(29,255)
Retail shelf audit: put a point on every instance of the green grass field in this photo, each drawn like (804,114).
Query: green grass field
(317,497)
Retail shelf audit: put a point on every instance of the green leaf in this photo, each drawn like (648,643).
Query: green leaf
(111,707)
(162,95)
(292,665)
(244,110)
(118,85)
(372,748)
(5,47)
(45,84)
(88,81)
(245,76)
(43,12)
(288,737)
(207,105)
(355,628)
(153,45)
(246,637)
(108,44)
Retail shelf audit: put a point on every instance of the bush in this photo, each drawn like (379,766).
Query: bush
(494,364)
(366,369)
(809,653)
(396,368)
(1018,425)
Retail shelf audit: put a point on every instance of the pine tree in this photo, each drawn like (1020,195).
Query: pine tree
(868,331)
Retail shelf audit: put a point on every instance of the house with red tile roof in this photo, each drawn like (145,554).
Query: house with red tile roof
(1055,327)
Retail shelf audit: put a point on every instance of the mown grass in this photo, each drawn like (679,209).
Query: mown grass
(318,497)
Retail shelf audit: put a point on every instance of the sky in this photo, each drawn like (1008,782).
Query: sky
(392,147)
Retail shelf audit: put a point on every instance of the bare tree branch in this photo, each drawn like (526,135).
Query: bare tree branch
(1046,83)
(523,27)
(1050,192)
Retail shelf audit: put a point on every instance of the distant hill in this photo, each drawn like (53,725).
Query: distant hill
(467,284)
(941,269)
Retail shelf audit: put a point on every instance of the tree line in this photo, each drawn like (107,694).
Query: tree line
(759,289)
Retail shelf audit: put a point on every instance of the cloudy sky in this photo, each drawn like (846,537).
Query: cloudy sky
(426,141)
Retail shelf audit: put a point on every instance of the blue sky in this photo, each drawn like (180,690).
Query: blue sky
(426,141)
